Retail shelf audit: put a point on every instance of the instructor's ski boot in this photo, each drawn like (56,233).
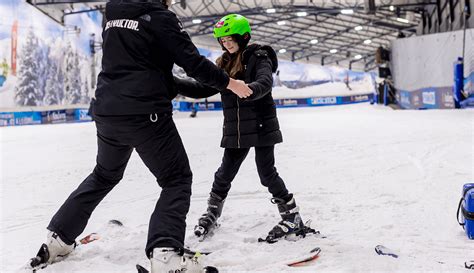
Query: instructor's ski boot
(291,226)
(53,250)
(208,220)
(166,259)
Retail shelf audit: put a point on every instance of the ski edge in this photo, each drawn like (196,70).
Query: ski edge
(313,255)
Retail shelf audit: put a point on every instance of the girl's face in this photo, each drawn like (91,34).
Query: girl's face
(229,44)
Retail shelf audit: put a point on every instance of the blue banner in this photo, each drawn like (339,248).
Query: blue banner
(426,98)
(27,118)
(81,115)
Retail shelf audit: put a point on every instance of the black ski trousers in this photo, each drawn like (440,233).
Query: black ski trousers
(160,147)
(265,159)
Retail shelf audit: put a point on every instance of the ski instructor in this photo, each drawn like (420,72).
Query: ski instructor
(142,40)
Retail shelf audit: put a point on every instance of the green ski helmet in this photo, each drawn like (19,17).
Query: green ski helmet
(234,25)
(231,24)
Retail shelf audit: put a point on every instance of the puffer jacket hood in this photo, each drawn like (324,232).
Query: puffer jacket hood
(271,54)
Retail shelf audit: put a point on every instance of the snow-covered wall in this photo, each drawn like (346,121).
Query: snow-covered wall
(301,76)
(423,68)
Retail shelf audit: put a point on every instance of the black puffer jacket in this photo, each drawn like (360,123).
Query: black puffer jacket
(141,42)
(250,122)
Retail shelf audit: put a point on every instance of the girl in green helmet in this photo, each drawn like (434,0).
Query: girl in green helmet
(249,122)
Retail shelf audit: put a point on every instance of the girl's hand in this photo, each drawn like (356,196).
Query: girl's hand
(240,88)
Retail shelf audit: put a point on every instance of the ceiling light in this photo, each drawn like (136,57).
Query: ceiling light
(359,28)
(302,14)
(368,41)
(197,21)
(347,11)
(271,10)
(314,41)
(392,8)
(281,23)
(403,20)
(333,51)
(282,51)
(358,57)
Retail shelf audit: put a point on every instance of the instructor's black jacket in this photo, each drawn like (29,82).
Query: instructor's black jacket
(141,42)
(250,122)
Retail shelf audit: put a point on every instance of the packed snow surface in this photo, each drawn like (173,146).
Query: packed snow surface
(365,175)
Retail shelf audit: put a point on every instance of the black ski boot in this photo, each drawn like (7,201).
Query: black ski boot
(208,220)
(291,226)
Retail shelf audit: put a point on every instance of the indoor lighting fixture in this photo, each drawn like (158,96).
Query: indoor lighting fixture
(281,23)
(314,41)
(302,14)
(403,20)
(333,51)
(271,10)
(282,51)
(368,41)
(197,21)
(392,8)
(358,57)
(347,11)
(359,28)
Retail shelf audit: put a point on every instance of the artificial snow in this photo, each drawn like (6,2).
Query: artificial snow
(365,175)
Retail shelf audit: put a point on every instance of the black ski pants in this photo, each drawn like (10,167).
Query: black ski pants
(160,147)
(265,159)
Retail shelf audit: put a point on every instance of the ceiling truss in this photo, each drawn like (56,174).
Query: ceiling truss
(322,21)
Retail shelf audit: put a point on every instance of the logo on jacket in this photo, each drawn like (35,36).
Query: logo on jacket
(122,23)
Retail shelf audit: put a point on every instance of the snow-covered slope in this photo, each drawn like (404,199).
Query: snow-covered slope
(365,175)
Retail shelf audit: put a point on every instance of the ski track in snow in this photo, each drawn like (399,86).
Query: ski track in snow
(365,175)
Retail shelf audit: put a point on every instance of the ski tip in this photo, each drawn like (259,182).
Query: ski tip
(141,269)
(88,239)
(469,264)
(306,260)
(316,250)
(382,250)
(115,222)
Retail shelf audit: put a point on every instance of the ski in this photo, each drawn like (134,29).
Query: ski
(385,251)
(306,259)
(141,269)
(469,264)
(207,269)
(190,252)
